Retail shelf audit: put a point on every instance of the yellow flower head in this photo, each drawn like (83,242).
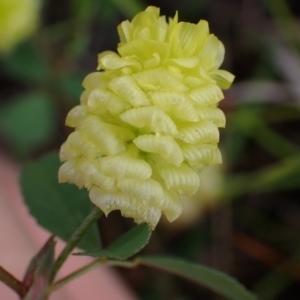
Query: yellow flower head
(148,120)
(18,19)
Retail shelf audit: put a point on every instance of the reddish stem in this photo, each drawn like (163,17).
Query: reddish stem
(11,281)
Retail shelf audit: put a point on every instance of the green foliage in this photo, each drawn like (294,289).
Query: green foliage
(71,85)
(26,63)
(248,120)
(131,8)
(60,208)
(210,278)
(28,122)
(126,246)
(280,176)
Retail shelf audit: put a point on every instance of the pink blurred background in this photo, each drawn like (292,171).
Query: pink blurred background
(21,237)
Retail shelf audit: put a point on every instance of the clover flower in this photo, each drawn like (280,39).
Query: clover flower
(18,19)
(147,122)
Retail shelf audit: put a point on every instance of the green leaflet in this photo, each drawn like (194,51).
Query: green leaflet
(210,278)
(126,246)
(60,208)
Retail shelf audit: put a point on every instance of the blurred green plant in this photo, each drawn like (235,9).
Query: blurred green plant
(18,19)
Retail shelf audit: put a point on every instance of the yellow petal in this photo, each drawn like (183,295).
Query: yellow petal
(151,118)
(126,88)
(203,131)
(193,81)
(162,145)
(163,28)
(129,206)
(180,178)
(192,37)
(152,62)
(144,48)
(112,61)
(68,173)
(104,99)
(76,145)
(125,166)
(145,24)
(76,114)
(223,78)
(189,62)
(159,78)
(213,114)
(207,94)
(211,53)
(204,153)
(94,80)
(148,190)
(125,31)
(172,205)
(90,170)
(107,137)
(176,105)
(220,55)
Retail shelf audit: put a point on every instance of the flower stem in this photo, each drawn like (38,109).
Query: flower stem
(90,266)
(124,264)
(75,238)
(10,281)
(76,274)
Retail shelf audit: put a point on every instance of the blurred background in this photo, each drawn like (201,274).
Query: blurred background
(245,220)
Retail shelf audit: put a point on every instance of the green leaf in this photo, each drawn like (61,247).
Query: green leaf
(71,85)
(131,8)
(281,176)
(60,208)
(28,122)
(126,246)
(210,278)
(26,63)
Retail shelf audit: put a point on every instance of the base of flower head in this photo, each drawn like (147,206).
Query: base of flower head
(143,199)
(129,206)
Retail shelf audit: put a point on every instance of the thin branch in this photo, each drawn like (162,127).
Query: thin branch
(60,283)
(75,238)
(11,281)
(124,264)
(99,262)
